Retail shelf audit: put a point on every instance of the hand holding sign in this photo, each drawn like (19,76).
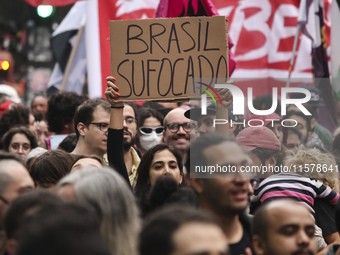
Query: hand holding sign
(111,91)
(226,97)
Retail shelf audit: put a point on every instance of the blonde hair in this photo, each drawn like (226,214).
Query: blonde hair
(313,158)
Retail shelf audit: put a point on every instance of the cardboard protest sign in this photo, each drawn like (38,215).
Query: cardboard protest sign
(157,59)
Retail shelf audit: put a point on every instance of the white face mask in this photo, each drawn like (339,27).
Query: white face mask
(148,141)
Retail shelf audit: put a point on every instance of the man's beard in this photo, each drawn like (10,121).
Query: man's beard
(128,145)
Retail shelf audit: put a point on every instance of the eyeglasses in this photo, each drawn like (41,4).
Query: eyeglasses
(148,130)
(102,126)
(4,200)
(16,146)
(130,120)
(174,127)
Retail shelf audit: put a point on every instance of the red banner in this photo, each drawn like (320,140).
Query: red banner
(262,31)
(55,3)
(263,34)
(115,10)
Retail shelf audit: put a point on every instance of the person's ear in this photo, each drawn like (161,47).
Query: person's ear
(164,136)
(11,246)
(313,122)
(258,245)
(81,128)
(181,179)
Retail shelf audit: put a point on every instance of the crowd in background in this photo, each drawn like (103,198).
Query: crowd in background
(104,176)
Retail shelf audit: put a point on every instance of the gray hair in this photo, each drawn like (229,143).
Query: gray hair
(108,193)
(35,153)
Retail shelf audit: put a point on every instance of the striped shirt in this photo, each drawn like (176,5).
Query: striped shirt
(294,186)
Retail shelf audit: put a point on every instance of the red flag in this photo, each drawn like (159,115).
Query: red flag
(183,8)
(252,26)
(54,3)
(97,41)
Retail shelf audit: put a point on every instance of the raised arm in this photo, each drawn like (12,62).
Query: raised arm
(115,140)
(222,111)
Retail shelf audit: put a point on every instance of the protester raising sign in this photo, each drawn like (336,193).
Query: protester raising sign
(157,59)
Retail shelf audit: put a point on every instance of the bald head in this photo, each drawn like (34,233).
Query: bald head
(14,179)
(173,114)
(261,218)
(178,130)
(284,222)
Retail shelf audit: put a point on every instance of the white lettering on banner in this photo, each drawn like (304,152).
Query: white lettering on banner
(263,25)
(280,31)
(254,23)
(124,6)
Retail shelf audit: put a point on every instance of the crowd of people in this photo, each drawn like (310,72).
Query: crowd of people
(106,176)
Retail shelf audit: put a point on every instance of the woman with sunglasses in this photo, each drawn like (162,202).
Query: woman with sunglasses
(150,129)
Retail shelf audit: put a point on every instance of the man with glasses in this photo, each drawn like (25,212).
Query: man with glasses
(14,180)
(178,130)
(91,122)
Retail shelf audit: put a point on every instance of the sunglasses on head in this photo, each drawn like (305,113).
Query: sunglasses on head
(148,130)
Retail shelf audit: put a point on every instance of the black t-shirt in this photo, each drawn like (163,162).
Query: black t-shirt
(325,216)
(239,248)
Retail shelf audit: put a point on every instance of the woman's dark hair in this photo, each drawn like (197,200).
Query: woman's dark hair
(17,116)
(144,113)
(7,138)
(142,187)
(51,166)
